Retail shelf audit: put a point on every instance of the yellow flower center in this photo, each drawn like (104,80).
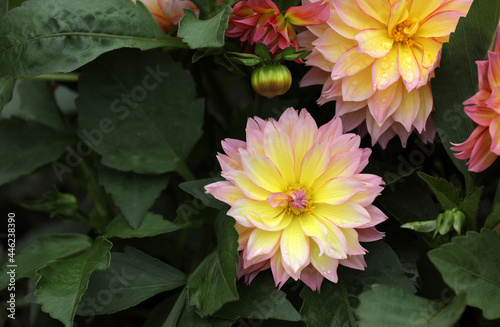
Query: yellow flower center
(404,31)
(298,200)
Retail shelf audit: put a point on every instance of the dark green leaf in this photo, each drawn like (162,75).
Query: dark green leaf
(470,264)
(133,193)
(469,207)
(67,34)
(262,51)
(63,283)
(189,318)
(390,306)
(151,225)
(246,62)
(177,309)
(55,203)
(421,226)
(26,146)
(145,118)
(131,278)
(207,33)
(43,251)
(4,7)
(260,300)
(445,192)
(494,218)
(213,283)
(192,214)
(205,6)
(197,189)
(456,78)
(6,88)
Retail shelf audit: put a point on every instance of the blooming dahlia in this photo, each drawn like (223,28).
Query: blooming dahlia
(375,58)
(483,145)
(261,21)
(298,196)
(168,13)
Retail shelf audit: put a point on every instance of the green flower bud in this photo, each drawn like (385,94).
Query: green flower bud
(55,203)
(459,220)
(270,81)
(444,224)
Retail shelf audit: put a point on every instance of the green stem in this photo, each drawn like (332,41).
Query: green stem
(62,77)
(184,171)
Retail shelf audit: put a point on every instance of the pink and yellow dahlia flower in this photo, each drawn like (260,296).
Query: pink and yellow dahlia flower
(375,59)
(298,196)
(256,21)
(483,145)
(168,13)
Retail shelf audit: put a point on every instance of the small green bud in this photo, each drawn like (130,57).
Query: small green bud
(444,225)
(421,226)
(459,220)
(270,81)
(59,204)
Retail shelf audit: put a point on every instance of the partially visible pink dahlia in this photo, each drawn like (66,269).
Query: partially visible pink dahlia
(168,13)
(375,59)
(298,196)
(483,145)
(256,21)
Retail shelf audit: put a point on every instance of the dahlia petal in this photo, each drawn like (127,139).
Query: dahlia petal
(341,165)
(278,223)
(494,69)
(375,43)
(231,146)
(279,273)
(399,13)
(242,207)
(314,76)
(311,277)
(337,191)
(303,136)
(277,199)
(248,188)
(347,215)
(369,234)
(350,63)
(495,135)
(332,129)
(336,23)
(465,148)
(367,197)
(363,161)
(225,191)
(332,45)
(288,119)
(480,115)
(295,248)
(317,60)
(263,6)
(337,248)
(408,67)
(379,103)
(374,129)
(351,237)
(278,148)
(262,243)
(325,265)
(255,140)
(385,71)
(481,156)
(351,120)
(378,9)
(310,14)
(422,9)
(425,108)
(376,215)
(350,13)
(401,132)
(314,163)
(431,49)
(385,137)
(227,163)
(482,72)
(479,98)
(408,109)
(439,24)
(358,87)
(345,143)
(262,171)
(313,228)
(342,107)
(456,5)
(354,262)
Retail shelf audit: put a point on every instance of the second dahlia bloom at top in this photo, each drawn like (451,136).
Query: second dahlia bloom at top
(298,196)
(168,13)
(257,21)
(483,145)
(375,58)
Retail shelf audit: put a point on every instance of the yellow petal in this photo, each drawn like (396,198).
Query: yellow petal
(278,148)
(399,13)
(295,249)
(385,70)
(342,165)
(378,9)
(350,63)
(375,43)
(337,190)
(347,215)
(262,171)
(325,265)
(351,237)
(313,228)
(439,25)
(248,188)
(277,223)
(422,9)
(338,244)
(431,51)
(350,13)
(408,66)
(262,243)
(332,45)
(314,163)
(408,109)
(304,135)
(358,87)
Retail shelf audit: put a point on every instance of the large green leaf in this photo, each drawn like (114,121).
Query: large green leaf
(6,88)
(43,251)
(260,300)
(63,283)
(471,264)
(37,103)
(151,225)
(191,214)
(391,306)
(383,267)
(197,189)
(456,78)
(26,146)
(144,118)
(131,278)
(213,283)
(66,34)
(208,33)
(445,192)
(133,193)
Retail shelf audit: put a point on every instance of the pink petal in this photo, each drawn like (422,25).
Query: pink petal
(408,109)
(225,192)
(482,72)
(481,115)
(332,45)
(263,6)
(310,14)
(481,156)
(279,273)
(495,135)
(311,277)
(494,69)
(354,262)
(314,76)
(379,103)
(369,234)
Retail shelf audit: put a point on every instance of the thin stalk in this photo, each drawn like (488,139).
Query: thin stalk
(58,77)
